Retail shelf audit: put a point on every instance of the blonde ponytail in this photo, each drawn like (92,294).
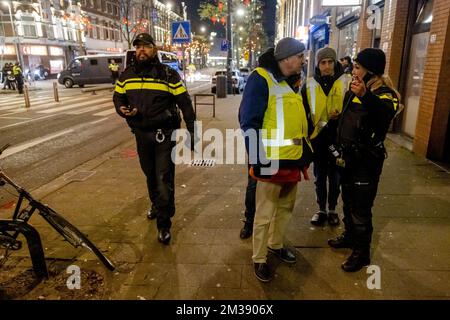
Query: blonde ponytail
(378,81)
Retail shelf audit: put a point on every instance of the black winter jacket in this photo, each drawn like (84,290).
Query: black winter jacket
(365,122)
(155,90)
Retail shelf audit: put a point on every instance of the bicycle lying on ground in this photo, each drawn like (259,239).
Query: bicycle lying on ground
(11,228)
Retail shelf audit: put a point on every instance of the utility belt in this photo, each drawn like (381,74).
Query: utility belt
(350,152)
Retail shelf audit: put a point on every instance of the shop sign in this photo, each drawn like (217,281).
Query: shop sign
(34,50)
(7,50)
(318,20)
(114,50)
(56,51)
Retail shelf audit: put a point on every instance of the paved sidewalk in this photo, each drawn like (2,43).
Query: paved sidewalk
(206,258)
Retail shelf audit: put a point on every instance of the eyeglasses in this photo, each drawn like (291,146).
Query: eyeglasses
(144,46)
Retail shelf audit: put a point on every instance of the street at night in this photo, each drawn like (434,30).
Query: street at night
(316,163)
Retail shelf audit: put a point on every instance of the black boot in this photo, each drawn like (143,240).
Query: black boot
(358,259)
(345,240)
(246,231)
(164,236)
(342,241)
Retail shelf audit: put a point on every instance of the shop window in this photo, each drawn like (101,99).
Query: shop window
(424,16)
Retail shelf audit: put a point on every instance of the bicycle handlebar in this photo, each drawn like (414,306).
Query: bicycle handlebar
(6,146)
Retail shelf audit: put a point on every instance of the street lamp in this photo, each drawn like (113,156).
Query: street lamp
(6,3)
(169,8)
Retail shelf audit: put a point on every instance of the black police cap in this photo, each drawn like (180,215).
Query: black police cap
(145,38)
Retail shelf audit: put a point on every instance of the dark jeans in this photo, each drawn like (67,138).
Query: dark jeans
(359,189)
(325,168)
(250,199)
(157,165)
(19,84)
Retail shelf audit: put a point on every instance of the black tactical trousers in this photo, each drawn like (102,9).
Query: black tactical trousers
(359,189)
(157,165)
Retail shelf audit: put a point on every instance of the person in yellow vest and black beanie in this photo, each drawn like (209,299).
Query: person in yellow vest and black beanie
(368,111)
(114,68)
(17,72)
(272,108)
(324,94)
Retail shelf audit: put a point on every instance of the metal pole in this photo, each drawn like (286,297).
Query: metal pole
(14,34)
(55,91)
(26,96)
(184,65)
(229,52)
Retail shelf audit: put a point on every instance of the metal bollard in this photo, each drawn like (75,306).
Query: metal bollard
(26,95)
(55,91)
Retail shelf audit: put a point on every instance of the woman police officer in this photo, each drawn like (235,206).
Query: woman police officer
(369,107)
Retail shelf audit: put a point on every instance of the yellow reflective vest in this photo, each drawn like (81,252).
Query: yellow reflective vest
(16,70)
(285,125)
(322,106)
(114,67)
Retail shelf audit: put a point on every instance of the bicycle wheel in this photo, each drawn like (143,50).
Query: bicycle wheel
(74,236)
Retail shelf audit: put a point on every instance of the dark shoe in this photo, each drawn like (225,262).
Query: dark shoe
(284,254)
(262,272)
(246,231)
(342,241)
(333,219)
(164,236)
(357,260)
(319,218)
(151,213)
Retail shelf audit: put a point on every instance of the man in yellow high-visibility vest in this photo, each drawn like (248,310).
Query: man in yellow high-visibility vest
(324,94)
(272,108)
(114,68)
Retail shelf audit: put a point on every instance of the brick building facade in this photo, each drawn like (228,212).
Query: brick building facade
(415,36)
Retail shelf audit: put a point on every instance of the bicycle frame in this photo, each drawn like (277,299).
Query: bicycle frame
(10,229)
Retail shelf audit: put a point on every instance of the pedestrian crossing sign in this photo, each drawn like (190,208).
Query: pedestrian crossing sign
(181,32)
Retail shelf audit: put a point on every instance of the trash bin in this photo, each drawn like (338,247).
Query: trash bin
(221,86)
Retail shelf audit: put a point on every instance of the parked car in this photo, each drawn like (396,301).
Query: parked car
(92,69)
(245,72)
(238,80)
(165,57)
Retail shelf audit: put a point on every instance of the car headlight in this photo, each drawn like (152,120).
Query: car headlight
(57,76)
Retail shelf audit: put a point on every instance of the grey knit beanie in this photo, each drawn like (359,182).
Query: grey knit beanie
(287,47)
(325,53)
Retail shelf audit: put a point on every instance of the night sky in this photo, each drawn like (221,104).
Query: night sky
(196,23)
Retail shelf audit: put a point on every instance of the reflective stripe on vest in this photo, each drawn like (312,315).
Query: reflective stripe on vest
(149,84)
(114,67)
(322,105)
(285,122)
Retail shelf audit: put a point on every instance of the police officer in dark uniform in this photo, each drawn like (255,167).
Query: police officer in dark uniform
(369,108)
(147,95)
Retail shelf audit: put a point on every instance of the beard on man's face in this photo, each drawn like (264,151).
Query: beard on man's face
(142,56)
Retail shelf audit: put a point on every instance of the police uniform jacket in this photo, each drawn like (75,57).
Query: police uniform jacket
(364,124)
(155,90)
